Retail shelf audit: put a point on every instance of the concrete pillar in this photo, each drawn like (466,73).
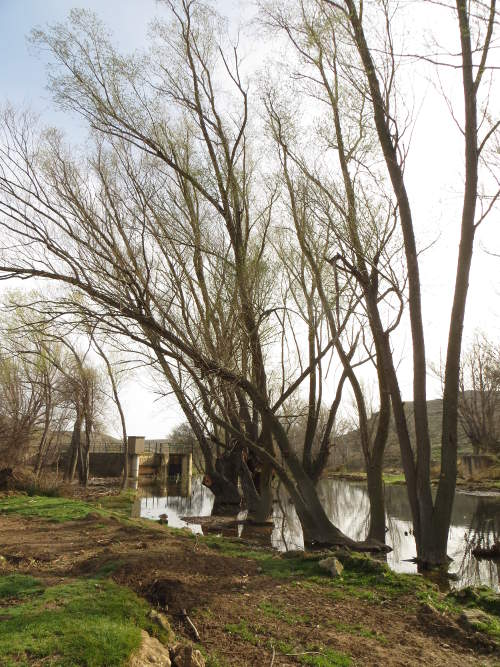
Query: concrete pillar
(135,461)
(163,470)
(136,444)
(186,474)
(135,449)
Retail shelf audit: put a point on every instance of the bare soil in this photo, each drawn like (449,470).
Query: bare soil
(176,573)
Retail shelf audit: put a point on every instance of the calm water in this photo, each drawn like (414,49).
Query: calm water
(475,521)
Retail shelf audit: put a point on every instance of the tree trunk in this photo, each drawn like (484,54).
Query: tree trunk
(375,485)
(74,449)
(223,482)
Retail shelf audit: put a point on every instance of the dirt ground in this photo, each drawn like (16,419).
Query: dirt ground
(180,573)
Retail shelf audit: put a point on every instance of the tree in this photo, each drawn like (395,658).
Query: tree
(342,201)
(479,398)
(159,211)
(476,24)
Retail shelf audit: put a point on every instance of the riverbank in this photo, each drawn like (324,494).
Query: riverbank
(70,561)
(485,484)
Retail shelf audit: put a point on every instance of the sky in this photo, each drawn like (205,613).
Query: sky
(435,159)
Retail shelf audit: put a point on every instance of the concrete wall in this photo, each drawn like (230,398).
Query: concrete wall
(106,464)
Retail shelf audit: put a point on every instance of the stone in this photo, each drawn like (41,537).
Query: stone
(162,621)
(184,655)
(332,565)
(151,652)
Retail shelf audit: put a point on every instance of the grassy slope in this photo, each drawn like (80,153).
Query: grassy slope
(91,622)
(88,621)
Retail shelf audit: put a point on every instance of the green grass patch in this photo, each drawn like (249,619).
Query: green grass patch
(60,510)
(53,509)
(394,478)
(317,656)
(91,622)
(19,586)
(358,630)
(118,504)
(363,577)
(479,597)
(281,614)
(244,632)
(325,657)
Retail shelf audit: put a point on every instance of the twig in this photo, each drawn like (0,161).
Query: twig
(272,659)
(190,625)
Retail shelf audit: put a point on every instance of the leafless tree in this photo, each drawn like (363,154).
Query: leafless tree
(476,24)
(479,397)
(165,228)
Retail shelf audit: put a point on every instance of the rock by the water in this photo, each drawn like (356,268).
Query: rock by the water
(332,565)
(185,655)
(151,652)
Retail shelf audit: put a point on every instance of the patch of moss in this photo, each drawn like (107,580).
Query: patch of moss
(91,622)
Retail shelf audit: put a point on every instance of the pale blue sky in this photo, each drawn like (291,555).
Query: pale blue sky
(22,73)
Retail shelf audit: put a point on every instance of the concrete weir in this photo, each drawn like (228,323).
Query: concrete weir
(155,462)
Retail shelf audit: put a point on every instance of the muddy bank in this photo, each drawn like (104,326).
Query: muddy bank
(247,606)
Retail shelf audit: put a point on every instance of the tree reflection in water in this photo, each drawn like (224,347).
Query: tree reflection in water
(484,532)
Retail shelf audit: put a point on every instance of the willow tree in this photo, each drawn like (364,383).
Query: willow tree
(171,146)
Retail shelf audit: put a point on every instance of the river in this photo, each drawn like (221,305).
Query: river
(475,521)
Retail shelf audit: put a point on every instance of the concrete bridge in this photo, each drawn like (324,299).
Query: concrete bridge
(154,461)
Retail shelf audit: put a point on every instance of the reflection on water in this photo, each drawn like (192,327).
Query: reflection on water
(155,501)
(475,522)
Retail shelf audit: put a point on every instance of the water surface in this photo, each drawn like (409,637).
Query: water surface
(475,522)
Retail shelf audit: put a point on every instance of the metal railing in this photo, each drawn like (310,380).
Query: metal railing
(150,447)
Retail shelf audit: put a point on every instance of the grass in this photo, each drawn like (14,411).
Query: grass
(394,478)
(119,504)
(88,622)
(317,656)
(363,578)
(273,611)
(358,630)
(54,509)
(19,586)
(60,510)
